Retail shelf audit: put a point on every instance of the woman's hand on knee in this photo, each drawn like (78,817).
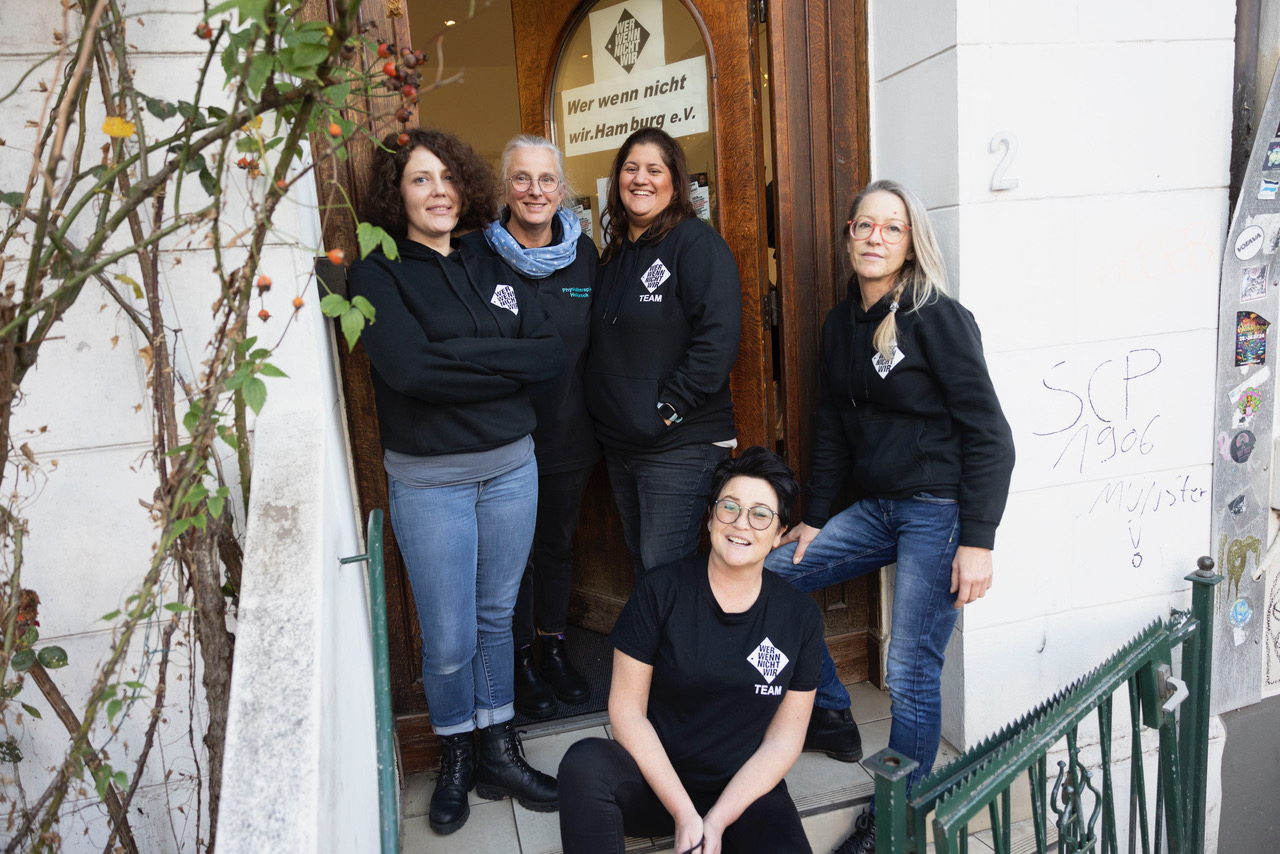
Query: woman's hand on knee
(971,574)
(801,535)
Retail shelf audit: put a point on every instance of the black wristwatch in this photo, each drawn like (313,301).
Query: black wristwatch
(668,413)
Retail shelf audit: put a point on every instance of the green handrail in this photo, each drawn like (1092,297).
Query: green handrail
(388,790)
(981,778)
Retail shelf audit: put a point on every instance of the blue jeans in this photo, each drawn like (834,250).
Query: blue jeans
(662,498)
(921,534)
(465,548)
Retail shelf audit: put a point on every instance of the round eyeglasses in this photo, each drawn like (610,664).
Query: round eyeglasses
(758,517)
(523,183)
(890,232)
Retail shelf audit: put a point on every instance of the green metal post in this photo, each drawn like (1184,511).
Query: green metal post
(1197,667)
(891,769)
(388,790)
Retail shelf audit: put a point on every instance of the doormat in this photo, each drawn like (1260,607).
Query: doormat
(592,655)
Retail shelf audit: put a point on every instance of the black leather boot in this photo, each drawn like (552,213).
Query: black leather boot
(502,771)
(449,808)
(565,681)
(863,838)
(833,733)
(533,698)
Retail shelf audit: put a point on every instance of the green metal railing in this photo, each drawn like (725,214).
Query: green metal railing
(982,779)
(388,788)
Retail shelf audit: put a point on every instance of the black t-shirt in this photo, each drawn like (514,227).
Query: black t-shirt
(718,678)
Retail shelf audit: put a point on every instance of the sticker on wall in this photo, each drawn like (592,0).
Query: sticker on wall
(1253,282)
(1267,189)
(1251,335)
(700,195)
(1272,163)
(1242,445)
(1249,242)
(1270,225)
(1236,505)
(1247,406)
(1240,613)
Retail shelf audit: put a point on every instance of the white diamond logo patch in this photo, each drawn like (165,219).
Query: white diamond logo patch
(768,659)
(655,276)
(504,296)
(883,366)
(626,41)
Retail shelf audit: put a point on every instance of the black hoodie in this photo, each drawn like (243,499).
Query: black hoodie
(928,422)
(455,342)
(664,329)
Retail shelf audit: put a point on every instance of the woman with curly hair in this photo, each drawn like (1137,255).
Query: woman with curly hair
(454,345)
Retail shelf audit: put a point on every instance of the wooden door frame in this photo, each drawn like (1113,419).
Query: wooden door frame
(821,159)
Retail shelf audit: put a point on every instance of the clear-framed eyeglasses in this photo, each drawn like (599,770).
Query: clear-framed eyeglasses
(523,183)
(890,232)
(758,517)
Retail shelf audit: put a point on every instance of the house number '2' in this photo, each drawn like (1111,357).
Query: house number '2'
(998,181)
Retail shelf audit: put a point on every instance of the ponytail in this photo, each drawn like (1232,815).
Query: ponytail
(885,340)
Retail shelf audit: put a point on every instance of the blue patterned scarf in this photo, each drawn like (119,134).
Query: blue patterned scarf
(541,261)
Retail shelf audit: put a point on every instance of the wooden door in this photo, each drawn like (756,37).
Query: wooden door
(816,61)
(603,576)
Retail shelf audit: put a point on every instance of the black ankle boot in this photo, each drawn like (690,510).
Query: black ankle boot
(449,808)
(533,698)
(834,733)
(503,771)
(566,682)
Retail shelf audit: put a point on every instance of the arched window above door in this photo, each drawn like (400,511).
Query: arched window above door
(628,64)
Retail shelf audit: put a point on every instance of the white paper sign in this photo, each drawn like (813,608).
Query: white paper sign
(599,116)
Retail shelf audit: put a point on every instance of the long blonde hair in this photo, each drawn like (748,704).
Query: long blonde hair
(923,278)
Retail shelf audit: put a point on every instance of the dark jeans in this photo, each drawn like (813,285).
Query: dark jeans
(544,589)
(603,796)
(662,498)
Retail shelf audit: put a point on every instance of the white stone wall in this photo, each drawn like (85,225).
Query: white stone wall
(91,541)
(1095,284)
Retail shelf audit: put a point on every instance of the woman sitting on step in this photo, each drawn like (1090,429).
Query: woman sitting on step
(714,669)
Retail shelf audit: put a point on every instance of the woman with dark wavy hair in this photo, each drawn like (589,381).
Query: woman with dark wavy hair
(664,336)
(455,342)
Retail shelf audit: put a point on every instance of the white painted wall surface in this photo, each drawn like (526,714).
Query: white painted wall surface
(1095,285)
(91,541)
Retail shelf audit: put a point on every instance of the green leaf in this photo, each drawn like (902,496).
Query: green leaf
(126,280)
(365,307)
(180,527)
(32,710)
(333,305)
(102,779)
(190,420)
(29,637)
(113,709)
(9,751)
(215,506)
(302,61)
(270,371)
(53,657)
(192,113)
(194,162)
(208,182)
(136,686)
(23,660)
(369,236)
(247,144)
(109,617)
(200,521)
(11,199)
(197,493)
(177,607)
(227,435)
(260,68)
(121,780)
(352,326)
(161,109)
(255,394)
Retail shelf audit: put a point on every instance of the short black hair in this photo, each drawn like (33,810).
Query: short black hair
(761,463)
